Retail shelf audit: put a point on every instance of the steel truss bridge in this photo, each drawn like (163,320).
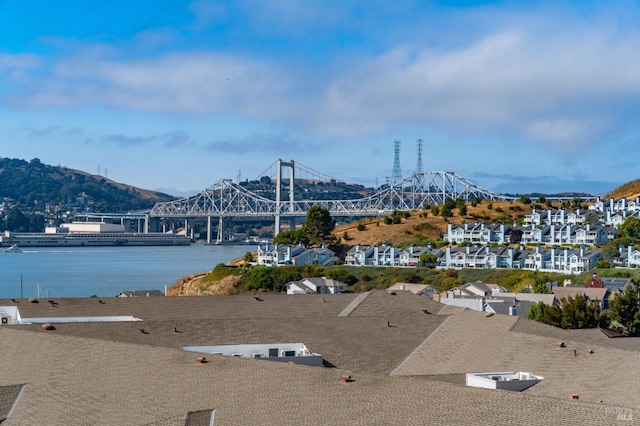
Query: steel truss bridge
(226,199)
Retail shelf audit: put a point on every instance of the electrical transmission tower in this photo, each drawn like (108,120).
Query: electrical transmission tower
(418,181)
(396,174)
(419,159)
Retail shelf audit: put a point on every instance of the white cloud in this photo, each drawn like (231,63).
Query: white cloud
(562,87)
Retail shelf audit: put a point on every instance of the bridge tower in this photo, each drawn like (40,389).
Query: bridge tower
(292,173)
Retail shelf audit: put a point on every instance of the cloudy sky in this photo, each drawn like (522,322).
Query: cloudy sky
(171,95)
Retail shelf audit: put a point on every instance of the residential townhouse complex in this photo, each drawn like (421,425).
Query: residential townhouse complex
(282,254)
(566,260)
(550,240)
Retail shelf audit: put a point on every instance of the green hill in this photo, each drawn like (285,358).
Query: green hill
(34,188)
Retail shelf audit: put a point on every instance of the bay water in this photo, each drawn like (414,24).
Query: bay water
(105,271)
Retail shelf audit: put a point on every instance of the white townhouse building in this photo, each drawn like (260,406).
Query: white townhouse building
(315,256)
(411,256)
(280,255)
(567,260)
(385,255)
(616,206)
(569,233)
(359,255)
(633,256)
(477,233)
(481,257)
(316,285)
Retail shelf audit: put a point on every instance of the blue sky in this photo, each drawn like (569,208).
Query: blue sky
(514,96)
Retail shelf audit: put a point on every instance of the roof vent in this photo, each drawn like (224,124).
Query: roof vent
(345,378)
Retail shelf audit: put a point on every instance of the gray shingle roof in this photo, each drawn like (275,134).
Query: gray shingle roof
(110,373)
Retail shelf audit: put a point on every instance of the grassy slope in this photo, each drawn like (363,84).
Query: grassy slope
(630,190)
(431,227)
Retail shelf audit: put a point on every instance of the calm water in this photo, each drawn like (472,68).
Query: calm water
(105,271)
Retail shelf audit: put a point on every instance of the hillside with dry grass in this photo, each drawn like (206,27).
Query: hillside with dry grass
(430,227)
(630,190)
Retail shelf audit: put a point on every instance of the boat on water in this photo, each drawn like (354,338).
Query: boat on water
(13,249)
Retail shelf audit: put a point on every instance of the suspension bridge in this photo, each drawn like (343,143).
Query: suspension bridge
(228,200)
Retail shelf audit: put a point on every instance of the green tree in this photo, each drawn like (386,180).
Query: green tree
(318,225)
(290,237)
(579,313)
(551,315)
(342,275)
(247,259)
(260,277)
(535,311)
(429,259)
(541,288)
(446,211)
(630,228)
(623,308)
(610,251)
(462,207)
(16,221)
(576,203)
(284,275)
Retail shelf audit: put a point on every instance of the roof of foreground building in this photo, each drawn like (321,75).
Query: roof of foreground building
(405,355)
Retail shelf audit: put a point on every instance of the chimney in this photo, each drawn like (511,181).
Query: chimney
(581,250)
